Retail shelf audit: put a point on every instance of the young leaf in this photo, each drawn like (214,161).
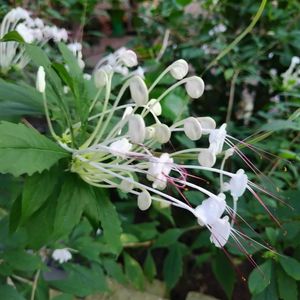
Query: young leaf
(82,281)
(23,150)
(114,270)
(291,266)
(12,36)
(133,271)
(150,267)
(224,273)
(172,269)
(168,238)
(37,190)
(287,286)
(260,278)
(70,205)
(110,221)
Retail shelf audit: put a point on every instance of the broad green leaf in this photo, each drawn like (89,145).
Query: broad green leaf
(21,260)
(287,286)
(291,266)
(15,215)
(172,269)
(24,150)
(12,36)
(72,199)
(260,278)
(40,226)
(150,267)
(81,281)
(110,221)
(9,293)
(224,273)
(114,270)
(37,189)
(133,271)
(168,238)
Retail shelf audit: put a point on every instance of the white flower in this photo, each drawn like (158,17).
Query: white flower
(25,32)
(120,148)
(159,170)
(61,255)
(217,139)
(210,210)
(220,232)
(237,185)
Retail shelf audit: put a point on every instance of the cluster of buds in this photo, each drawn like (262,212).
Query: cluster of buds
(124,150)
(32,30)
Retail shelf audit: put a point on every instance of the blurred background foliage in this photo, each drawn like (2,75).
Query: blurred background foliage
(244,88)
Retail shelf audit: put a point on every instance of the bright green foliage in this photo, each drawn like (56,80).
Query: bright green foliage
(25,151)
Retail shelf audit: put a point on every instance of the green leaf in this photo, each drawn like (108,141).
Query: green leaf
(15,215)
(72,199)
(291,266)
(12,36)
(63,297)
(260,278)
(150,267)
(8,292)
(168,238)
(287,286)
(280,125)
(224,273)
(37,189)
(23,150)
(172,269)
(114,270)
(110,221)
(133,271)
(21,260)
(81,281)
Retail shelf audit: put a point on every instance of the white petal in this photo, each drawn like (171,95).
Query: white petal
(220,232)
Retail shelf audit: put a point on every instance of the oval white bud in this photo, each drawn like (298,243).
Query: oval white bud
(129,58)
(126,186)
(207,123)
(179,69)
(195,87)
(100,78)
(162,133)
(206,158)
(144,200)
(40,80)
(155,107)
(136,129)
(192,128)
(138,90)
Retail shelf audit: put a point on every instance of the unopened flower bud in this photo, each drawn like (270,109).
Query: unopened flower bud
(136,129)
(179,69)
(129,58)
(150,131)
(192,129)
(162,133)
(155,107)
(144,200)
(100,78)
(138,90)
(207,123)
(126,186)
(207,158)
(195,87)
(40,80)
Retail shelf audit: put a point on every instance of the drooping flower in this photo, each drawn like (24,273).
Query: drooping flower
(62,255)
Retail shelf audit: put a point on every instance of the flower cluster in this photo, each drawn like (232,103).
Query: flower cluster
(124,150)
(32,30)
(291,77)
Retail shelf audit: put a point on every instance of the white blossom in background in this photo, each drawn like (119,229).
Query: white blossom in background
(62,255)
(128,147)
(32,30)
(291,77)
